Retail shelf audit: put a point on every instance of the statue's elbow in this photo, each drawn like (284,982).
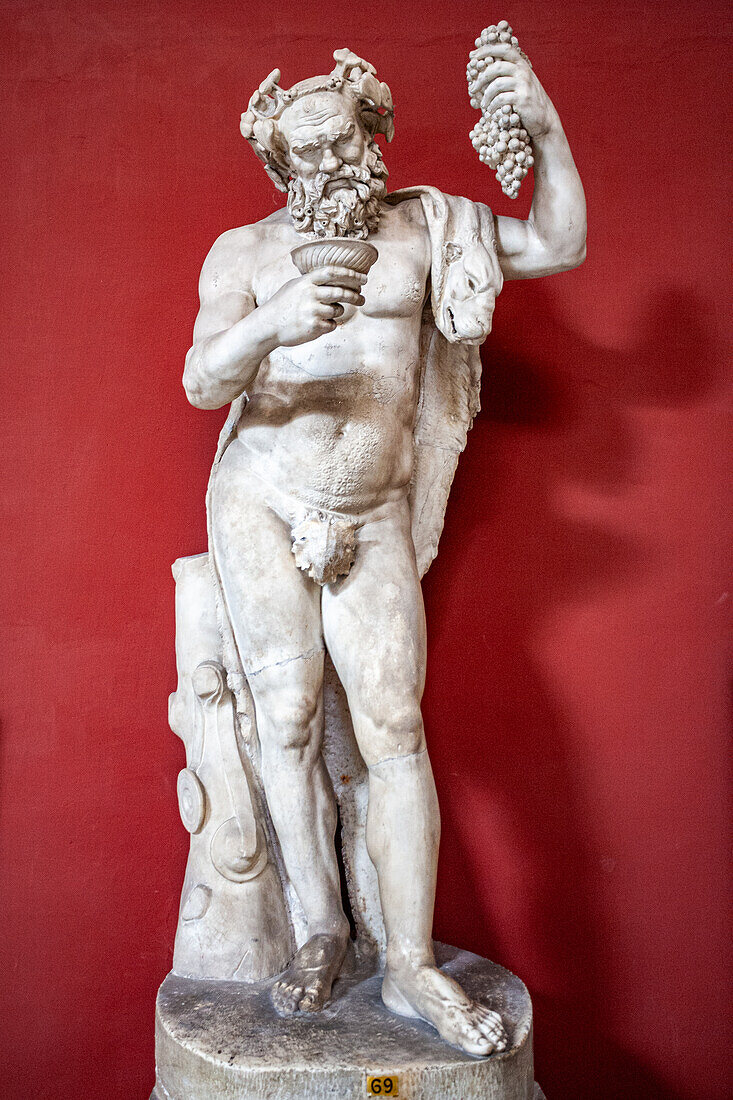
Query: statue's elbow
(198,397)
(578,257)
(572,256)
(195,397)
(196,393)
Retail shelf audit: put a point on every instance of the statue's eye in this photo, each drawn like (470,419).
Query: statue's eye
(477,282)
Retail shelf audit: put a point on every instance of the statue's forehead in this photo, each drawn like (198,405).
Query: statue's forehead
(316,111)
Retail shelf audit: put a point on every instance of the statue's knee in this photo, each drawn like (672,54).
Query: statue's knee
(395,730)
(289,721)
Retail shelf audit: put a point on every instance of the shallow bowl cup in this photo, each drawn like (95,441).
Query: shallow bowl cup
(357,255)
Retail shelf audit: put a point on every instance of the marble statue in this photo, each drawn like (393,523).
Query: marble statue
(344,331)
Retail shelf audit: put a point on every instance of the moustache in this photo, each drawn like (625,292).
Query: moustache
(344,201)
(346,175)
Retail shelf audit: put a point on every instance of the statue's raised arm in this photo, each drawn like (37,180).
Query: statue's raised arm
(552,239)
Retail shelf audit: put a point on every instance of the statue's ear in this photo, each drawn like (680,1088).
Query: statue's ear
(451,252)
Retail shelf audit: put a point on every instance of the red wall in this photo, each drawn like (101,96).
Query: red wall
(575,706)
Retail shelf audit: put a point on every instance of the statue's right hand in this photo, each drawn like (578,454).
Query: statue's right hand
(307,307)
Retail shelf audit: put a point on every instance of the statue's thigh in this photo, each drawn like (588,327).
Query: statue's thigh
(374,621)
(274,608)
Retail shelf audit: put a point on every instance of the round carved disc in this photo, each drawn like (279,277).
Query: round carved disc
(191,800)
(228,854)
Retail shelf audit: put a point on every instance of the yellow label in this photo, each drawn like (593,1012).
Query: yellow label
(383,1086)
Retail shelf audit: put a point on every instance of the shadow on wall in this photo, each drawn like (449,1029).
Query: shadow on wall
(553,417)
(597,1069)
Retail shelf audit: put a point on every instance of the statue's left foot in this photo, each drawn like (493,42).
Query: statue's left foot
(306,984)
(426,993)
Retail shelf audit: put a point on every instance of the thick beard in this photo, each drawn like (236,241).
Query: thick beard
(349,210)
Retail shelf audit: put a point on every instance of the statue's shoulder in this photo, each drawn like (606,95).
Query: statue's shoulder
(246,236)
(404,223)
(241,249)
(407,211)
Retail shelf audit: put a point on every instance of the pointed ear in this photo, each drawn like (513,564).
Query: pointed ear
(451,252)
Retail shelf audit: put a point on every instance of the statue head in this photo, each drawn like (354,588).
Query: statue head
(317,142)
(467,291)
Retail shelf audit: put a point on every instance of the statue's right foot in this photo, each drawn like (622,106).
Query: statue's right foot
(428,994)
(306,984)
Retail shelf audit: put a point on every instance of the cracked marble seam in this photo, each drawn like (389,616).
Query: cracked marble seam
(288,660)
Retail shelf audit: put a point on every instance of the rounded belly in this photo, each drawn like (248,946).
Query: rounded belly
(345,461)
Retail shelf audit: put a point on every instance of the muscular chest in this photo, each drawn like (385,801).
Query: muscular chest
(395,289)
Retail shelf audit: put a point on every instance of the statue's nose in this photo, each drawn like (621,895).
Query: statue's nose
(329,161)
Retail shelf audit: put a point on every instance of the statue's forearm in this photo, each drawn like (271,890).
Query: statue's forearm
(220,367)
(558,215)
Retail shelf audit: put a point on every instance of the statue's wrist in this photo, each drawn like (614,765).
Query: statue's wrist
(265,329)
(550,130)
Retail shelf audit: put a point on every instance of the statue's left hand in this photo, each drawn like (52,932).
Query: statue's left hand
(508,79)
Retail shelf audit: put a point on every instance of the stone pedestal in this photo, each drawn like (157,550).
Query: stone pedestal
(223,1041)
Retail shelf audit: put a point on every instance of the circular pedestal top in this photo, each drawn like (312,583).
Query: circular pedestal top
(217,1040)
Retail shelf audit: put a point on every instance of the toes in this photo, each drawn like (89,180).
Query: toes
(286,998)
(479,1032)
(314,998)
(492,1027)
(480,1046)
(490,1023)
(291,998)
(465,1033)
(487,1015)
(495,1036)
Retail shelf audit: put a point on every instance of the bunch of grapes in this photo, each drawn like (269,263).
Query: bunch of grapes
(499,138)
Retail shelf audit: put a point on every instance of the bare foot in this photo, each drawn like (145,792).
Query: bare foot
(306,984)
(426,993)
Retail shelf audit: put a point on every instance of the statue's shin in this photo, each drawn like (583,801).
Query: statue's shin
(233,922)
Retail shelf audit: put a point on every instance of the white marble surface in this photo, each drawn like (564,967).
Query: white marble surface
(352,394)
(220,1040)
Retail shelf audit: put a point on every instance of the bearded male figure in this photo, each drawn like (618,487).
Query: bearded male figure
(315,497)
